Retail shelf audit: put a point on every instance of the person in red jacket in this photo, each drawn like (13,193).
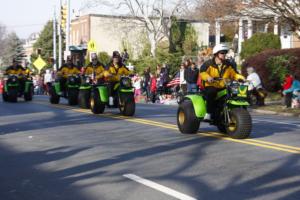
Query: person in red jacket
(288,81)
(153,87)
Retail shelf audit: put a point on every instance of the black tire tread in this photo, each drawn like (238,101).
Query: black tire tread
(191,123)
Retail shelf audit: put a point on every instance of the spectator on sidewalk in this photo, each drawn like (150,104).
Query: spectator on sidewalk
(288,93)
(138,87)
(255,86)
(48,78)
(288,81)
(191,77)
(182,82)
(146,82)
(153,87)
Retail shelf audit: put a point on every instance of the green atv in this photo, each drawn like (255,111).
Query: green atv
(70,93)
(123,97)
(13,89)
(231,115)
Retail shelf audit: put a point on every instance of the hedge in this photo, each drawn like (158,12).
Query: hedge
(258,43)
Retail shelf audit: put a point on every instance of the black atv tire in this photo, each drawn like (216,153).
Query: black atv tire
(53,97)
(252,100)
(5,97)
(13,95)
(97,107)
(84,99)
(243,124)
(73,96)
(28,96)
(187,121)
(127,104)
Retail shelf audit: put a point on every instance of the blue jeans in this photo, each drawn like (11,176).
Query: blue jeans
(192,88)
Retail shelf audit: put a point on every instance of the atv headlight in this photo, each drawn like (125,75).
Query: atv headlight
(235,90)
(14,79)
(72,79)
(87,80)
(126,82)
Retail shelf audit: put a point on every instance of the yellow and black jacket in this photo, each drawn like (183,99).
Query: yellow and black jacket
(116,71)
(99,70)
(66,71)
(225,71)
(17,70)
(27,72)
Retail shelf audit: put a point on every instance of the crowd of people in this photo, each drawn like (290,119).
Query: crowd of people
(159,86)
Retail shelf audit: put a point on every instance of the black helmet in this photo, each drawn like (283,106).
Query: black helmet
(116,54)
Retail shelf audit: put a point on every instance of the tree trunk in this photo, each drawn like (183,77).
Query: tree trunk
(152,43)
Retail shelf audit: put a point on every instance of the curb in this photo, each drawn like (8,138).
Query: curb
(268,112)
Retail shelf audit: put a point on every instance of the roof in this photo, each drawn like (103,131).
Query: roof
(132,17)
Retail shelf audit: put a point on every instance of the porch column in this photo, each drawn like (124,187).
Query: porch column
(276,30)
(241,35)
(218,32)
(250,28)
(266,27)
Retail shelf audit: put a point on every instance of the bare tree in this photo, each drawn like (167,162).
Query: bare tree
(287,10)
(155,15)
(210,10)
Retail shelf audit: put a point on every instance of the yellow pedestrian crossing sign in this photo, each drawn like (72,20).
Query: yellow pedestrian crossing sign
(39,63)
(92,45)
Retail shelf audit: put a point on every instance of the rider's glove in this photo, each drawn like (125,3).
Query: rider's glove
(210,79)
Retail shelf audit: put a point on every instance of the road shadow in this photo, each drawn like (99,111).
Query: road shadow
(22,180)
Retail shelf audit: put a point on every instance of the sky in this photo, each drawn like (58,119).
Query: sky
(29,16)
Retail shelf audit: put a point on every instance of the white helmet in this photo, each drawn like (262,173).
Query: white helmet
(220,47)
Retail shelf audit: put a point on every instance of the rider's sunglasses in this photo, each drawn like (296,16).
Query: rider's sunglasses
(223,52)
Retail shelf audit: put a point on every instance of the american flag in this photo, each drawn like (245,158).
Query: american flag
(175,81)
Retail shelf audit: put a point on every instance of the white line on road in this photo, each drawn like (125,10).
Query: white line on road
(153,185)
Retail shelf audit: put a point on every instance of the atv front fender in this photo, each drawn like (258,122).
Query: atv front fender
(103,93)
(198,103)
(28,85)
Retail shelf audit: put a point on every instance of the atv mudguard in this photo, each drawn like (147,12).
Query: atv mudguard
(198,103)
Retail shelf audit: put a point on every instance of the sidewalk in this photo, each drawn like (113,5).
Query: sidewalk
(277,109)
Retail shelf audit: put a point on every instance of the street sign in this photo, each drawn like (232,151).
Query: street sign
(92,45)
(39,63)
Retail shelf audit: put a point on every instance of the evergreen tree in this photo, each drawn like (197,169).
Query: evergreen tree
(45,43)
(13,48)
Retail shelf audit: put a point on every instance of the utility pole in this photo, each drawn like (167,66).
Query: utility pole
(59,37)
(68,26)
(54,41)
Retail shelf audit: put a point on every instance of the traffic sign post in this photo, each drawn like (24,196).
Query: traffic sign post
(92,47)
(39,63)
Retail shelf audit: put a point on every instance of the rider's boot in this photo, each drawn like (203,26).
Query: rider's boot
(111,101)
(207,117)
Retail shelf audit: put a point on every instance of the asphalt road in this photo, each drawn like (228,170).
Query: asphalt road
(59,152)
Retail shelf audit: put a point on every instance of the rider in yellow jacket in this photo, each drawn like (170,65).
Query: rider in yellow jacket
(217,67)
(117,69)
(15,69)
(114,72)
(95,69)
(68,69)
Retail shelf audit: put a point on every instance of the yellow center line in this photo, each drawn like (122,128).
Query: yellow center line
(254,142)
